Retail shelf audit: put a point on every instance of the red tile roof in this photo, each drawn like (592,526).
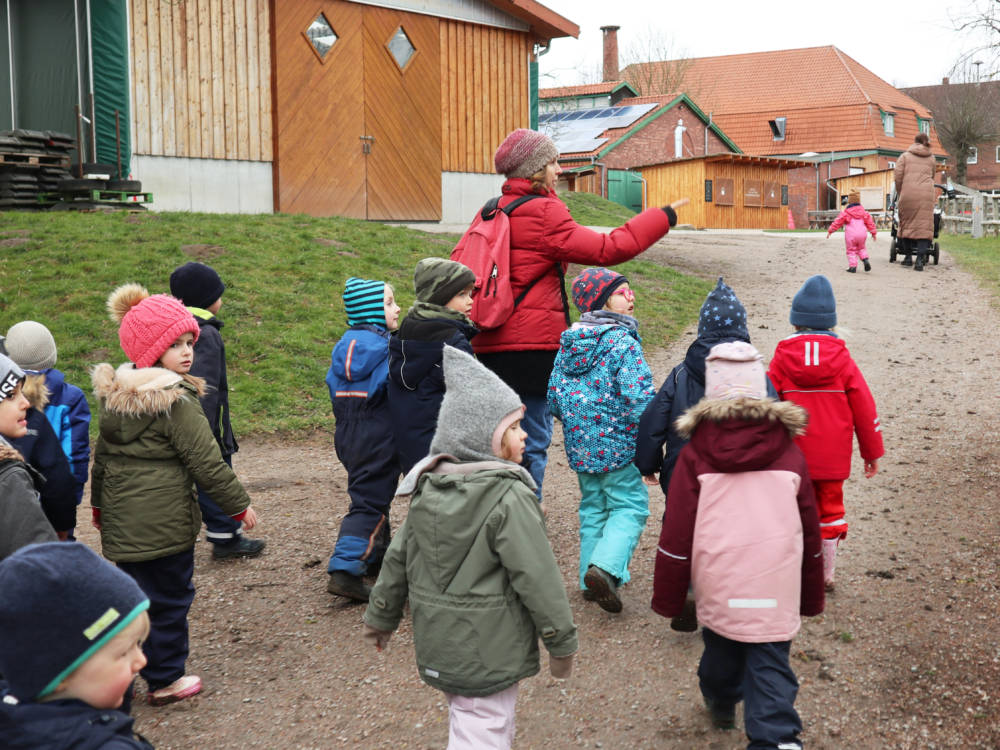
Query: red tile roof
(587,89)
(829,100)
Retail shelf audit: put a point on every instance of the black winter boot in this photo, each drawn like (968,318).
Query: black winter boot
(344,584)
(868,266)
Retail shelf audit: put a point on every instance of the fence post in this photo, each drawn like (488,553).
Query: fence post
(977,215)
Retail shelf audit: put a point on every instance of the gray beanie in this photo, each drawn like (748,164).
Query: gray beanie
(477,408)
(437,280)
(11,376)
(31,345)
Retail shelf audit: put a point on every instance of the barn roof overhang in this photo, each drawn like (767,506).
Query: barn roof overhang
(545,24)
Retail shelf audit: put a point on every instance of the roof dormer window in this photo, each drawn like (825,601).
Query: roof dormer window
(924,125)
(888,123)
(777,126)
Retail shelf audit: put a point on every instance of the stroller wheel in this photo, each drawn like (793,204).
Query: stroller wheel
(892,250)
(937,253)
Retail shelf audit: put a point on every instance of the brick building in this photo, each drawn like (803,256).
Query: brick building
(983,165)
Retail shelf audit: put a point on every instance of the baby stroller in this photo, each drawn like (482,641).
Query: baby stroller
(909,247)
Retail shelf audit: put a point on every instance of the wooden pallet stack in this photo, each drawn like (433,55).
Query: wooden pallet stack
(32,163)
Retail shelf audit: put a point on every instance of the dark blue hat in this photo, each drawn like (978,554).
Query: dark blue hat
(723,315)
(594,286)
(59,603)
(813,306)
(196,285)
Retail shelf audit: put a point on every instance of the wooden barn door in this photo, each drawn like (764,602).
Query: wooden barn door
(403,114)
(357,111)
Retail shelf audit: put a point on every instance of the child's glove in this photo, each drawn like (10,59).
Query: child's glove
(561,667)
(378,638)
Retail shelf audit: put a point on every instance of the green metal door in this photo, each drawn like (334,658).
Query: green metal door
(625,188)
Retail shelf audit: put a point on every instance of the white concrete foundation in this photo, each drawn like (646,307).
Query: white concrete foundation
(463,193)
(218,186)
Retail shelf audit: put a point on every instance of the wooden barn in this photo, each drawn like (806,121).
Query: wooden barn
(727,191)
(377,109)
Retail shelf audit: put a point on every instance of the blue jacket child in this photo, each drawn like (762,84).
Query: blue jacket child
(32,346)
(722,319)
(363,437)
(599,386)
(416,381)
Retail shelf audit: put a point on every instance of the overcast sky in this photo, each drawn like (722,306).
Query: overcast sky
(905,42)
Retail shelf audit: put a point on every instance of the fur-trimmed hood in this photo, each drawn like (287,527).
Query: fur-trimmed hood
(793,417)
(742,434)
(137,392)
(8,452)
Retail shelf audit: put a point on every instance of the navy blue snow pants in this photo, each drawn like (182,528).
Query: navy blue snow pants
(364,443)
(221,527)
(758,674)
(167,582)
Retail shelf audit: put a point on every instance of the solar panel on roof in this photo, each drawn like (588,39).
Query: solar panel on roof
(581,130)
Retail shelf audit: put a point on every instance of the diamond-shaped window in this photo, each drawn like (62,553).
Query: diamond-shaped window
(321,35)
(401,48)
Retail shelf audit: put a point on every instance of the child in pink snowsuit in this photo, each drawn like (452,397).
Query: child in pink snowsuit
(858,224)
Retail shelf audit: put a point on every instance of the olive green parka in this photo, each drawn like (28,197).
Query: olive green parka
(483,585)
(154,443)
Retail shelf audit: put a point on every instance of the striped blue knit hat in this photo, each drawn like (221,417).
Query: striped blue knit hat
(364,301)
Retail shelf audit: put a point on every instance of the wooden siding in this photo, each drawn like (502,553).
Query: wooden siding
(484,92)
(201,79)
(669,182)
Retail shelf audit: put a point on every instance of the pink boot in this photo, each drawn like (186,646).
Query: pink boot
(829,561)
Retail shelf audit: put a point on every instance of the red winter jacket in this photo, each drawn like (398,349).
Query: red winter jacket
(816,371)
(541,234)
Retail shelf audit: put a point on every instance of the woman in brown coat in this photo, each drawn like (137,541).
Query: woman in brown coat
(914,178)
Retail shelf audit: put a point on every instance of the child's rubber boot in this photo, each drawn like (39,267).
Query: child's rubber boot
(852,269)
(868,266)
(178,690)
(687,620)
(829,562)
(344,584)
(723,716)
(604,586)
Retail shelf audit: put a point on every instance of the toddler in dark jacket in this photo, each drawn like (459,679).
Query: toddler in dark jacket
(363,439)
(73,627)
(416,384)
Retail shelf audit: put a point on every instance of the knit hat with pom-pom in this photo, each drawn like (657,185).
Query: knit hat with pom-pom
(148,324)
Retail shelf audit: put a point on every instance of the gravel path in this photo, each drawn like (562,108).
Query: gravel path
(907,654)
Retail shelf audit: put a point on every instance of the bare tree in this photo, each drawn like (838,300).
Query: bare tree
(651,65)
(983,20)
(965,115)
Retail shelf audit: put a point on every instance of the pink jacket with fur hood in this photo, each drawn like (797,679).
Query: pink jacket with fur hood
(741,523)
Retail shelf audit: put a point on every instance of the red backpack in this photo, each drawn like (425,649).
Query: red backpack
(485,248)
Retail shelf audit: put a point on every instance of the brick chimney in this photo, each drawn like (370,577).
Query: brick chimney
(610,52)
(945,81)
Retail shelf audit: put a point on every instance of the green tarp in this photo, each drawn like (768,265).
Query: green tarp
(109,36)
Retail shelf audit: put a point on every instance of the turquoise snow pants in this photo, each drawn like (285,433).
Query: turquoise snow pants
(613,512)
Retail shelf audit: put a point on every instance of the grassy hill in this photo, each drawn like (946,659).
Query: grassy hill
(284,277)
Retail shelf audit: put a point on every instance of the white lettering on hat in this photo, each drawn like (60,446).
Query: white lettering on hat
(8,385)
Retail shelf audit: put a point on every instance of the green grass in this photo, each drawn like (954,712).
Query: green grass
(282,308)
(980,257)
(594,211)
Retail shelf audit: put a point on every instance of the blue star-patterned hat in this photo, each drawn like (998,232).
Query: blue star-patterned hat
(723,315)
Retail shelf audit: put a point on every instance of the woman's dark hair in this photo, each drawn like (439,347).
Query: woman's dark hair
(922,138)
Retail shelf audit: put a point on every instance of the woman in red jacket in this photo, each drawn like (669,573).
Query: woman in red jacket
(544,239)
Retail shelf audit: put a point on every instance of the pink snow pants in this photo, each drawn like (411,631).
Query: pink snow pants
(855,235)
(483,723)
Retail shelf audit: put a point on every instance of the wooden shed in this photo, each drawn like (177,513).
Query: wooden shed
(727,191)
(378,109)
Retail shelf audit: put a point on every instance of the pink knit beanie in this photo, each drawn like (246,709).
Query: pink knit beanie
(148,324)
(523,153)
(734,370)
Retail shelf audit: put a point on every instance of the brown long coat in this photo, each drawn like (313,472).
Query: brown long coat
(914,176)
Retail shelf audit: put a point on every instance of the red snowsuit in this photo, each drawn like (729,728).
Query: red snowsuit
(815,370)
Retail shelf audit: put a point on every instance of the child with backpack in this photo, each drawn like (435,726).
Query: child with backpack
(741,526)
(599,387)
(857,225)
(813,368)
(474,563)
(363,437)
(33,347)
(438,317)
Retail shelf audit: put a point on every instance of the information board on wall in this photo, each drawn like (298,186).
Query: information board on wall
(752,190)
(724,191)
